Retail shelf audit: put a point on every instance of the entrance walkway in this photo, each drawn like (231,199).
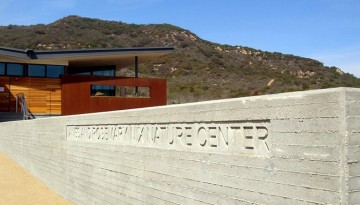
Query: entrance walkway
(19,187)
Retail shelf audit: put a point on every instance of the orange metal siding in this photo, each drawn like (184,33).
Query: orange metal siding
(77,99)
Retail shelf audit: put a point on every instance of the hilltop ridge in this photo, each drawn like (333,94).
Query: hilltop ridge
(198,69)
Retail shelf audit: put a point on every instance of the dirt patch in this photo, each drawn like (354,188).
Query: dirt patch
(18,186)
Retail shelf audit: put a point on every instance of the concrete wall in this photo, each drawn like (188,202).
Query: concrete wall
(352,146)
(294,148)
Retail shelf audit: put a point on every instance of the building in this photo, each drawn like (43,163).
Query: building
(65,82)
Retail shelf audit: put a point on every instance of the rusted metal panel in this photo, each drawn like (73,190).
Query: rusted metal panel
(77,99)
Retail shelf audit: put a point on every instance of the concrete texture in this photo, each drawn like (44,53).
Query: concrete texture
(292,148)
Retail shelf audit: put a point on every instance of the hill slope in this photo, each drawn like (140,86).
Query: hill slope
(197,70)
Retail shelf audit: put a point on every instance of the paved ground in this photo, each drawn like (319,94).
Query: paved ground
(18,186)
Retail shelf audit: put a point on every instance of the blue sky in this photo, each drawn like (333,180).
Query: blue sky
(326,30)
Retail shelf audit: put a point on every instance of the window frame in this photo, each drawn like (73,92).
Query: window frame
(4,69)
(23,70)
(47,73)
(28,71)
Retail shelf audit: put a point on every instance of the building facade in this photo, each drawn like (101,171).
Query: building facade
(65,82)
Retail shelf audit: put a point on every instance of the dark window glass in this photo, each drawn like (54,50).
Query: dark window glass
(84,73)
(104,73)
(54,71)
(96,71)
(36,70)
(14,69)
(2,68)
(120,91)
(102,90)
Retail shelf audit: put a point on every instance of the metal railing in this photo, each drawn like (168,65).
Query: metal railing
(20,100)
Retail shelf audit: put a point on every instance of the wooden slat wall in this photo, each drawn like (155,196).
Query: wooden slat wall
(43,95)
(18,85)
(37,95)
(4,94)
(53,98)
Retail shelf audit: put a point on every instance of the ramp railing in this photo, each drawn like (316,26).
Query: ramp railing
(20,100)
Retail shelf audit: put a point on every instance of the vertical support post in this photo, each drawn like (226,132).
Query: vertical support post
(16,103)
(136,67)
(136,74)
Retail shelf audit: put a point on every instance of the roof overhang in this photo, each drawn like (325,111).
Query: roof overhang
(79,57)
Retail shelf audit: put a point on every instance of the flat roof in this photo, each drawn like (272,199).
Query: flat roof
(75,56)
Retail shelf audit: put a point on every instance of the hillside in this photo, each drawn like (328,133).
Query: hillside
(198,69)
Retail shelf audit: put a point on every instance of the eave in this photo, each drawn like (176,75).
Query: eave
(66,57)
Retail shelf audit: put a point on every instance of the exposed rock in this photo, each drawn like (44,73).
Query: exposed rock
(340,72)
(218,49)
(270,82)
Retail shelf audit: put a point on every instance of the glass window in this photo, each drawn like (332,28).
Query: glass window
(14,69)
(120,91)
(84,73)
(102,90)
(96,71)
(37,70)
(2,68)
(104,73)
(54,71)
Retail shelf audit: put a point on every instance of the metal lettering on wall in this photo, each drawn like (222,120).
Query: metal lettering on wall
(242,137)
